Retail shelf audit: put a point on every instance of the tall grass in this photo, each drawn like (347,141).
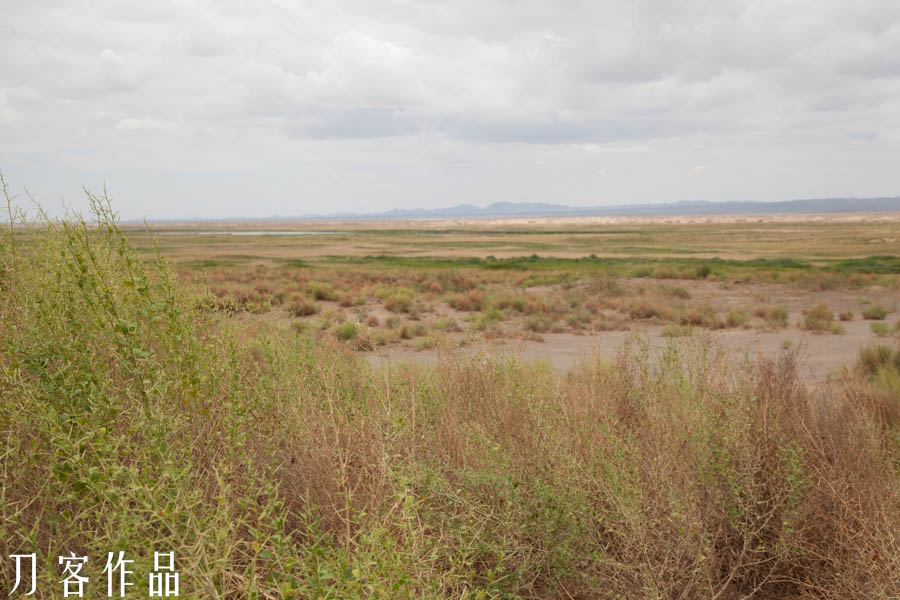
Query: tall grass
(273,466)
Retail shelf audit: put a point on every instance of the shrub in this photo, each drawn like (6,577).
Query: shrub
(874,313)
(818,319)
(643,309)
(382,337)
(300,306)
(424,343)
(674,292)
(880,329)
(538,323)
(446,324)
(704,316)
(434,287)
(400,302)
(412,330)
(579,318)
(346,331)
(736,318)
(320,290)
(472,301)
(873,358)
(607,286)
(775,316)
(846,315)
(642,272)
(676,330)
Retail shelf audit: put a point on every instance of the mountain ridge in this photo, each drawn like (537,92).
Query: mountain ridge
(683,208)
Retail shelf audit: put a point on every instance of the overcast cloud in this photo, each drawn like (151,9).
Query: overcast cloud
(225,108)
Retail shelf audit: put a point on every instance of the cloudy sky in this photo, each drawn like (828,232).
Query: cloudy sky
(222,108)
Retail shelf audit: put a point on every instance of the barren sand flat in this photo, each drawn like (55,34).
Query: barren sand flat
(289,224)
(850,217)
(820,356)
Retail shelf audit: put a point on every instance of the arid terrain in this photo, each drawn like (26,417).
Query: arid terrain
(555,289)
(482,411)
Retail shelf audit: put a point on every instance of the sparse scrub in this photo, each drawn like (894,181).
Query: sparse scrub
(279,465)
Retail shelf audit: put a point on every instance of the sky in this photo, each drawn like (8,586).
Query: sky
(216,109)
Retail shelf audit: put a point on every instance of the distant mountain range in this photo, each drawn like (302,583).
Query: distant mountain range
(528,209)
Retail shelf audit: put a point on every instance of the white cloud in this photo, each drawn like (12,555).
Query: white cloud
(139,124)
(400,103)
